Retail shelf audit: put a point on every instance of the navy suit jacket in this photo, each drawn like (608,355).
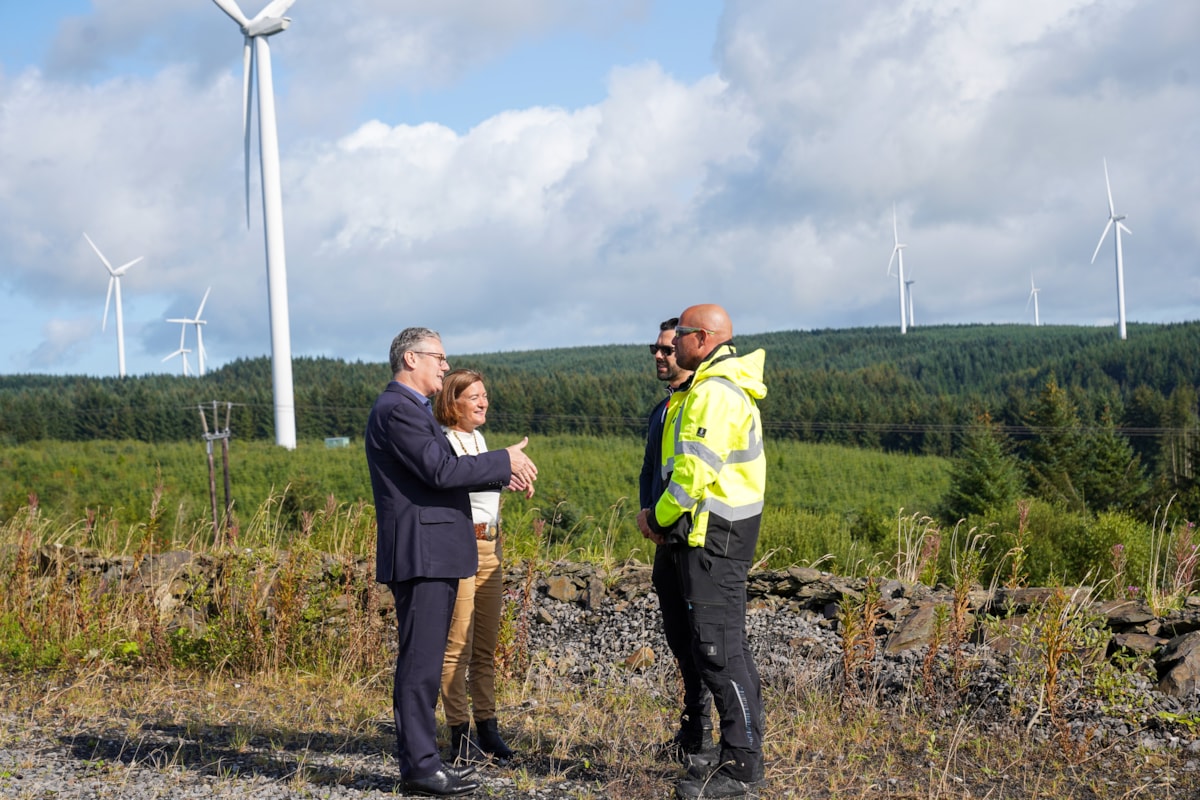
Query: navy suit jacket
(421,488)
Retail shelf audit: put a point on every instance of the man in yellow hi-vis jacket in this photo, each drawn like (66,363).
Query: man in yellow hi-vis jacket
(709,516)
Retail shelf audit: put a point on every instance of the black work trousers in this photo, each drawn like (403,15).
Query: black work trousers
(715,590)
(677,628)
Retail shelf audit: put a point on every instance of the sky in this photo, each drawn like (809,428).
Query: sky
(528,174)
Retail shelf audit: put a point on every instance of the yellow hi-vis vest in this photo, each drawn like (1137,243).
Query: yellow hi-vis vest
(713,463)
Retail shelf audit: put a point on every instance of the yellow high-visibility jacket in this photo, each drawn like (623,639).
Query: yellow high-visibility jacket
(713,461)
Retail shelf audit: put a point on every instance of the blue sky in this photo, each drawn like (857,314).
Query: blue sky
(545,173)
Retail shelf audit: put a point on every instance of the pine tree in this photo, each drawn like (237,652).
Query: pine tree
(986,475)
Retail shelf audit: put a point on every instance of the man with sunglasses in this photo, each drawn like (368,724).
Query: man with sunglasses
(426,542)
(708,515)
(695,722)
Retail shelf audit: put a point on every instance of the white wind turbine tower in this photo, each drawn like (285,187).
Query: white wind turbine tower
(256,63)
(1033,293)
(1114,217)
(199,322)
(898,258)
(114,287)
(908,292)
(182,351)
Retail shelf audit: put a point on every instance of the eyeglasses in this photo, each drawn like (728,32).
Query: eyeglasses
(665,349)
(441,357)
(684,330)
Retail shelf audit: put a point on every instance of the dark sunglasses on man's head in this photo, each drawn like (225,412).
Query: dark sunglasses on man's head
(665,349)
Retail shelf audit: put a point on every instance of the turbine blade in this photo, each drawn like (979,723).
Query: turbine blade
(276,8)
(176,353)
(892,260)
(1121,225)
(247,75)
(107,299)
(204,300)
(121,269)
(97,249)
(1112,212)
(235,13)
(1106,227)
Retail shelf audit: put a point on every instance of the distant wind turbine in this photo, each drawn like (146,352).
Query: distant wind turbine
(1115,220)
(898,258)
(1033,293)
(908,291)
(114,287)
(199,322)
(256,63)
(182,351)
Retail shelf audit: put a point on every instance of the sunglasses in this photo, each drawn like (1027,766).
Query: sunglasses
(684,330)
(665,349)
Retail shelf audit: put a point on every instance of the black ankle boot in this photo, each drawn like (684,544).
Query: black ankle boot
(490,741)
(463,747)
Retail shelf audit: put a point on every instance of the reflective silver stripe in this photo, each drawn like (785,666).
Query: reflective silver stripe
(753,450)
(703,452)
(681,496)
(726,511)
(754,447)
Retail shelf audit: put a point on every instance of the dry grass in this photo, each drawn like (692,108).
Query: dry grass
(307,701)
(601,740)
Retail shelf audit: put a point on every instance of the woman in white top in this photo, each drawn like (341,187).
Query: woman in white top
(469,666)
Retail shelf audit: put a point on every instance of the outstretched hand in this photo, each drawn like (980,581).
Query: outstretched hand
(524,471)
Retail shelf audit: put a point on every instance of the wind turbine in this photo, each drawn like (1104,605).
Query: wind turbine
(182,351)
(1114,217)
(898,258)
(1033,293)
(256,63)
(114,287)
(908,291)
(199,322)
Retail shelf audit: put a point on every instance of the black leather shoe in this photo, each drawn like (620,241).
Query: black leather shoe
(460,771)
(442,783)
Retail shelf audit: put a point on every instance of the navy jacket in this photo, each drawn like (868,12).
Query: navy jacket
(421,490)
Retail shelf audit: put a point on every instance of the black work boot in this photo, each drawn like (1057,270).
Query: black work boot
(464,750)
(693,737)
(490,741)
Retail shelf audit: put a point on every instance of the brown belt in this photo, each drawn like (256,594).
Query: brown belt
(486,531)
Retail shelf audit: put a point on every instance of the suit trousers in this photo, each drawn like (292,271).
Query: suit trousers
(715,589)
(423,610)
(470,663)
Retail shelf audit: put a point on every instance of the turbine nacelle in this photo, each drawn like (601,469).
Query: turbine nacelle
(266,27)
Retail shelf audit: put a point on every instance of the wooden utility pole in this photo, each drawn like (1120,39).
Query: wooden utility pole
(209,438)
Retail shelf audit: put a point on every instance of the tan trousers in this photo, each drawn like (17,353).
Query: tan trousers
(470,662)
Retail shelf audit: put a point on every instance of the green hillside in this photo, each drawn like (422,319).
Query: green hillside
(868,387)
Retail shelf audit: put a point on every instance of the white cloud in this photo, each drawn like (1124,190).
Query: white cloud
(767,186)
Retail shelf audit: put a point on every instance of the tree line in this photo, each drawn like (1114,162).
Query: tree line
(937,391)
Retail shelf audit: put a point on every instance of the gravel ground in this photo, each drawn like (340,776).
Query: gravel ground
(573,644)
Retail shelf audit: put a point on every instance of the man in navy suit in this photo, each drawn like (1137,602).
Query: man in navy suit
(426,542)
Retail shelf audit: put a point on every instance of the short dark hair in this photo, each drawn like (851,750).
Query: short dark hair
(405,341)
(668,325)
(453,386)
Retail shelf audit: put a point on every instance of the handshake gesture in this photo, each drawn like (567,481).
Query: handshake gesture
(524,471)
